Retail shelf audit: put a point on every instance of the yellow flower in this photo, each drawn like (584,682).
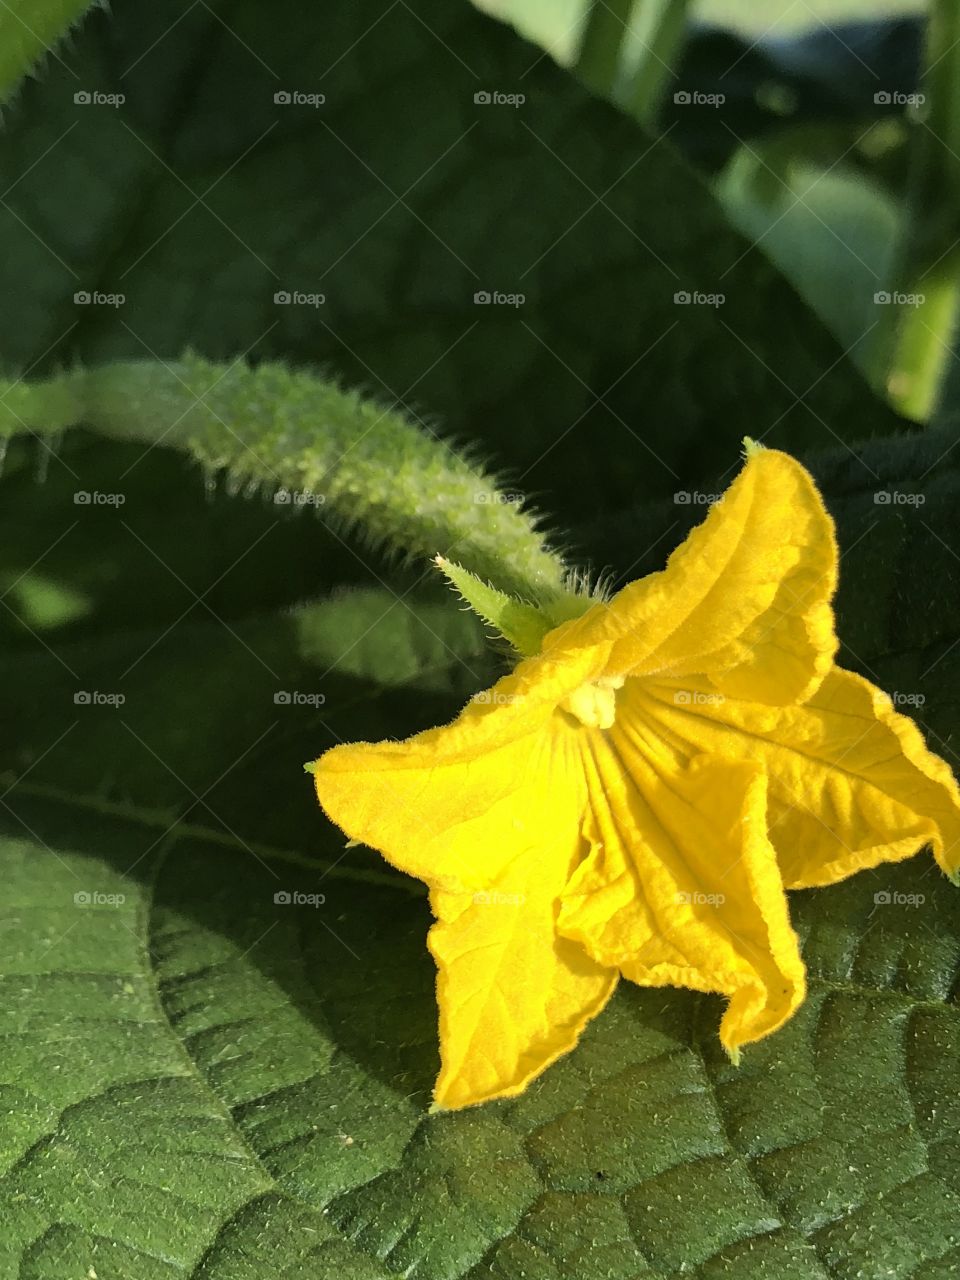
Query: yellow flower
(636,797)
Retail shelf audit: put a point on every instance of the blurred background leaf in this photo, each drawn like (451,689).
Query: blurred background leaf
(155,201)
(832,132)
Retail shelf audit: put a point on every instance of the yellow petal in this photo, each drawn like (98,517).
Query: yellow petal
(513,995)
(488,811)
(451,805)
(744,600)
(851,782)
(682,886)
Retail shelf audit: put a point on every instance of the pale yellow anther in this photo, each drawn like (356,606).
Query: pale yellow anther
(595,704)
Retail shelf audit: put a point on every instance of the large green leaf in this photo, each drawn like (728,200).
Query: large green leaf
(398,199)
(202,1080)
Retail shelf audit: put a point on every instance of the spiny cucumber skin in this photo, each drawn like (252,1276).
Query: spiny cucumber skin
(271,427)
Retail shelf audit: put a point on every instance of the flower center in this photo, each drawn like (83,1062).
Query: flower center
(595,704)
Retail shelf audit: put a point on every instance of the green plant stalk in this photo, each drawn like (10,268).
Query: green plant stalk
(657,65)
(272,428)
(923,336)
(942,87)
(605,28)
(912,344)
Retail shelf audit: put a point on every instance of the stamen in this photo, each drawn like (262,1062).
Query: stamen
(595,704)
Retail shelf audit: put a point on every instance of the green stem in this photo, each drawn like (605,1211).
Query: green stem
(911,350)
(942,89)
(663,38)
(598,60)
(309,442)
